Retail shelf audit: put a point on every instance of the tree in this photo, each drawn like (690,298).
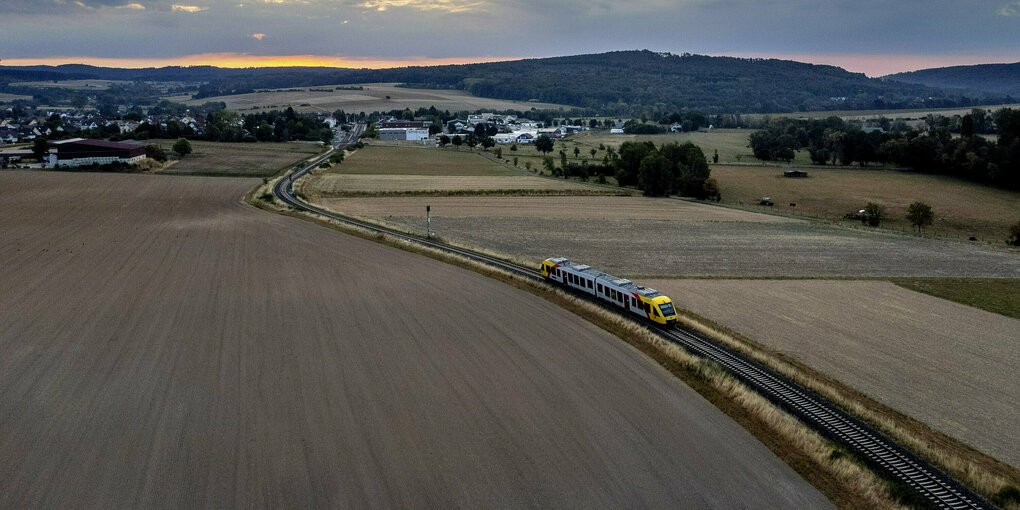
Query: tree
(326,136)
(873,214)
(457,141)
(513,147)
(563,163)
(443,140)
(654,177)
(182,147)
(920,215)
(498,152)
(629,163)
(40,148)
(544,144)
(577,151)
(593,151)
(487,141)
(715,157)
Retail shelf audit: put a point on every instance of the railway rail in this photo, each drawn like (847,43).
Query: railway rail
(933,486)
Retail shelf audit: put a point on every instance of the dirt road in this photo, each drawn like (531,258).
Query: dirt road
(162,345)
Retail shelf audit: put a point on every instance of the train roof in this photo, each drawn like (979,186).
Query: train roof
(621,283)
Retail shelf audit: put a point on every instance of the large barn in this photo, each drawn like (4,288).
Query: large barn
(81,152)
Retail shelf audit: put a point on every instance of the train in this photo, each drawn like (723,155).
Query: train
(618,292)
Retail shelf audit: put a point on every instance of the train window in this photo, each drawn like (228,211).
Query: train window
(616,296)
(648,308)
(600,288)
(589,284)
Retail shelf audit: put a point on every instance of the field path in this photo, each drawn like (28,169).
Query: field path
(163,345)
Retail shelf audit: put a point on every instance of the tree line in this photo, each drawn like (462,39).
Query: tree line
(935,149)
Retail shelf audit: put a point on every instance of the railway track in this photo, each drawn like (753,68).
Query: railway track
(882,453)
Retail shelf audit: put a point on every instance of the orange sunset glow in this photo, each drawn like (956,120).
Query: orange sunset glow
(241,60)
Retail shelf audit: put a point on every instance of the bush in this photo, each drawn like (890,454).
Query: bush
(182,147)
(873,214)
(1014,234)
(711,190)
(155,152)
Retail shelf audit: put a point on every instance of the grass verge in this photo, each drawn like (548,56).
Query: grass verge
(841,477)
(996,295)
(473,193)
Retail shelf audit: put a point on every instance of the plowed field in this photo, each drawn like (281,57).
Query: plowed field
(163,345)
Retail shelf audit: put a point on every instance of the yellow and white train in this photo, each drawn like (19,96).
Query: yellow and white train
(619,292)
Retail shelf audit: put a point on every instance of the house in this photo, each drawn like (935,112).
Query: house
(616,131)
(505,138)
(525,138)
(676,128)
(385,124)
(82,152)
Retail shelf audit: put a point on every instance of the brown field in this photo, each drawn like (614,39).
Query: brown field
(238,159)
(327,185)
(592,208)
(419,161)
(163,345)
(948,365)
(372,98)
(699,240)
(962,208)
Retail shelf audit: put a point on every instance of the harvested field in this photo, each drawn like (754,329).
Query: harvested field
(961,208)
(419,161)
(326,185)
(5,98)
(948,365)
(701,240)
(163,345)
(73,84)
(374,97)
(239,159)
(593,208)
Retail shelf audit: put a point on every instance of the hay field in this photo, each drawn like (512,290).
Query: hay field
(722,242)
(951,366)
(372,98)
(961,208)
(163,345)
(238,159)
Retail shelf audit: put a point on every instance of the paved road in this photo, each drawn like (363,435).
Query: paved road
(163,345)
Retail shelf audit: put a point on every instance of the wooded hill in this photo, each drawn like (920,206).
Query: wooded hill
(996,79)
(615,83)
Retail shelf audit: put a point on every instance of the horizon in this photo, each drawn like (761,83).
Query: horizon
(873,66)
(868,37)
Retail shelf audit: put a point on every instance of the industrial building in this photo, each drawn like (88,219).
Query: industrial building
(403,134)
(82,152)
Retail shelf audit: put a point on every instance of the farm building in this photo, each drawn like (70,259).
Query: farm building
(81,152)
(403,134)
(795,173)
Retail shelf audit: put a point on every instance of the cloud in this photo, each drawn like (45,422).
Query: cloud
(1010,9)
(188,8)
(258,36)
(139,7)
(450,6)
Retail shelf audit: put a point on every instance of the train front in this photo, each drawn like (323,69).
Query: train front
(663,311)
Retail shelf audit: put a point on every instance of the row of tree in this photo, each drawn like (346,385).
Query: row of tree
(932,150)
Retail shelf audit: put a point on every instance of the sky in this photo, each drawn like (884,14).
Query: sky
(869,36)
